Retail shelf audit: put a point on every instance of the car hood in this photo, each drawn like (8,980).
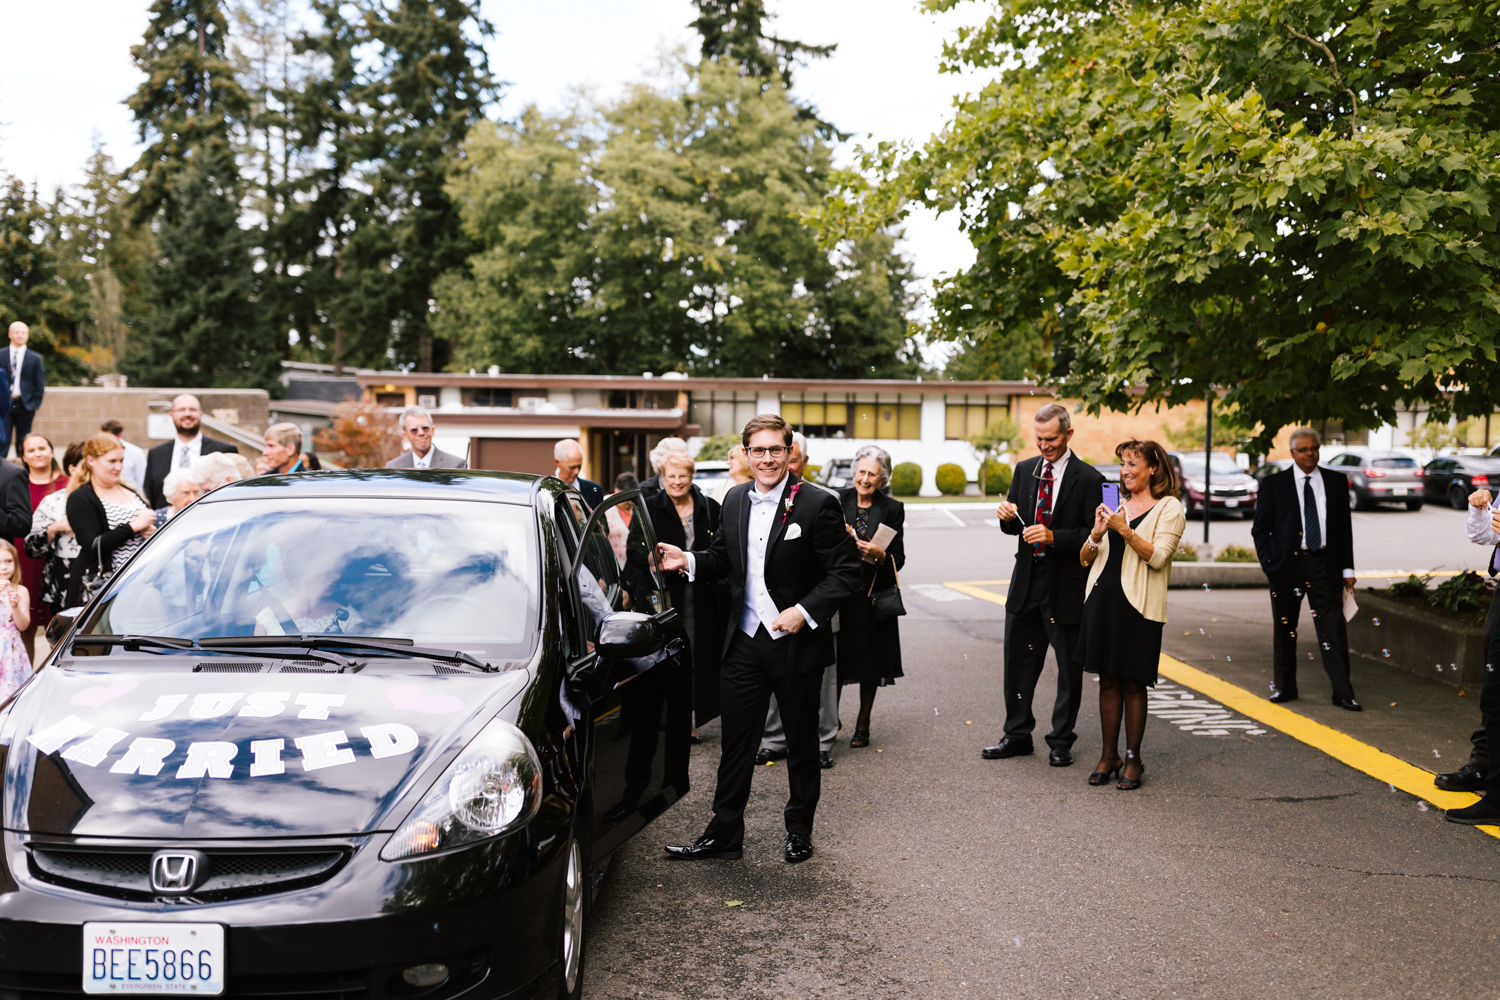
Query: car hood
(157,754)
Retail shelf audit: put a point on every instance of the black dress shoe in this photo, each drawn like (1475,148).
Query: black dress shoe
(706,848)
(1482,813)
(1466,779)
(825,759)
(1008,747)
(1282,697)
(1060,757)
(764,756)
(798,847)
(1349,704)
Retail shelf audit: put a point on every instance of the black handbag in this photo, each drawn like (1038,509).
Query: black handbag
(886,603)
(92,582)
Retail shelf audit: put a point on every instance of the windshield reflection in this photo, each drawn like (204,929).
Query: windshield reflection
(447,573)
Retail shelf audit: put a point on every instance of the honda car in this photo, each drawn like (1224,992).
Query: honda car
(364,734)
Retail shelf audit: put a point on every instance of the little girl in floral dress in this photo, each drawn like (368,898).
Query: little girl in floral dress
(15,605)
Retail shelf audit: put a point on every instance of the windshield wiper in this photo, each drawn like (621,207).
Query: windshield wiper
(243,645)
(135,642)
(391,647)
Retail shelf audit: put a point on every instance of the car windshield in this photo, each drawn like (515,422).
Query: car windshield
(450,574)
(1192,465)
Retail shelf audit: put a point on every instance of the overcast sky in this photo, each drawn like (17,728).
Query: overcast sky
(67,68)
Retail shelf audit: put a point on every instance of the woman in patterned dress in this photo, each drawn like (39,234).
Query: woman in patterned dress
(109,519)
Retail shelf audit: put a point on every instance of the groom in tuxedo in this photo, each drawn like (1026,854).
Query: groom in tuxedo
(789,562)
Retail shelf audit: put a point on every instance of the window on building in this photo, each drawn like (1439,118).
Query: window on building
(967,415)
(817,414)
(390,399)
(722,412)
(888,418)
(487,397)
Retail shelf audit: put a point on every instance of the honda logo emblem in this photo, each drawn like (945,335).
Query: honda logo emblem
(175,871)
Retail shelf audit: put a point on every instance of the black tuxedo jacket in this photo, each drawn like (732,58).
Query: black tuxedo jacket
(159,463)
(1073,506)
(818,569)
(1278,526)
(33,377)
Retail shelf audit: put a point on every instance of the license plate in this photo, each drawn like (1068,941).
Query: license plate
(150,958)
(1399,491)
(1231,503)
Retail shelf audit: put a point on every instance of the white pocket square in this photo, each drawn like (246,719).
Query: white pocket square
(795,531)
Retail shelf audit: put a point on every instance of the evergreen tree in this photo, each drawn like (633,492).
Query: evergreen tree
(735,30)
(32,286)
(206,328)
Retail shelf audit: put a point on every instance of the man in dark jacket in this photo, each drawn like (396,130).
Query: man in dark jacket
(188,445)
(15,501)
(1305,540)
(568,455)
(783,550)
(1051,506)
(27,379)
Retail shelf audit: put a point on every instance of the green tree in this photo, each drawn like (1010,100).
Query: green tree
(33,288)
(1290,201)
(663,232)
(989,444)
(736,30)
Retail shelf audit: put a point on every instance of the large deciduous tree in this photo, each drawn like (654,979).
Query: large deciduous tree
(1293,202)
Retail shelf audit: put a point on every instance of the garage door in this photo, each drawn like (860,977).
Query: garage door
(532,455)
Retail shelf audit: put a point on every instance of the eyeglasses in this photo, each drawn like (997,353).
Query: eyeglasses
(420,430)
(1306,451)
(774,452)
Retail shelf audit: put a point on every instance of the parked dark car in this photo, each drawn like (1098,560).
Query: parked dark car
(1377,477)
(1269,468)
(1454,477)
(1230,488)
(353,734)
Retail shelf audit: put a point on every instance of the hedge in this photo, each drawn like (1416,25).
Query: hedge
(906,479)
(951,479)
(996,476)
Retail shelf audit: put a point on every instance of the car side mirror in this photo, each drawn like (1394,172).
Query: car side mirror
(60,625)
(628,634)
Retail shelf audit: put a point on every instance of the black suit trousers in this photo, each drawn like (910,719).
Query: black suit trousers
(1028,633)
(753,669)
(1310,578)
(18,423)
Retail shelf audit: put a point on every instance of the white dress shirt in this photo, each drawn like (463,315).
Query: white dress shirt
(134,471)
(17,359)
(1320,495)
(422,461)
(1058,468)
(759,608)
(1481,531)
(193,449)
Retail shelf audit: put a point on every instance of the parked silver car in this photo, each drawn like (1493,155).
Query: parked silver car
(1377,477)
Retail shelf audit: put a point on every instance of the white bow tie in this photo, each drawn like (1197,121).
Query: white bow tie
(756,496)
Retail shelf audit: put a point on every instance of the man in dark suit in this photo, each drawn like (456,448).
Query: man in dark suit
(15,501)
(1051,506)
(28,382)
(788,561)
(569,458)
(1305,540)
(180,452)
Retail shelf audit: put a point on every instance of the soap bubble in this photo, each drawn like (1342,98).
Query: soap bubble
(1421,806)
(1228,659)
(1283,621)
(1436,754)
(1325,645)
(1296,591)
(1384,652)
(1310,656)
(1453,667)
(1201,632)
(1205,587)
(1376,620)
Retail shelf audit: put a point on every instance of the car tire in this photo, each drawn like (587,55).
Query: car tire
(1457,498)
(1414,505)
(1247,515)
(573,897)
(1356,502)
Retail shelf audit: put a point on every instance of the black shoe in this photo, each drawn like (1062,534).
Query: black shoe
(694,739)
(1466,779)
(1010,746)
(1482,813)
(798,847)
(1349,704)
(703,849)
(764,756)
(1105,777)
(1131,784)
(1060,757)
(825,759)
(1282,697)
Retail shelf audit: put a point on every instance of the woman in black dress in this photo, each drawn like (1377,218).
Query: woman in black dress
(1125,605)
(684,517)
(869,651)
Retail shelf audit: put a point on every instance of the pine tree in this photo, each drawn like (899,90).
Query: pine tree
(736,30)
(32,285)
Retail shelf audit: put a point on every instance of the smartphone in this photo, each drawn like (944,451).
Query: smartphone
(1112,496)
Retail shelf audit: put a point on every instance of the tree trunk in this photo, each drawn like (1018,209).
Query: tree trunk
(424,353)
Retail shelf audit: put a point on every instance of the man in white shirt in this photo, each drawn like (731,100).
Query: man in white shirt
(188,444)
(28,381)
(134,471)
(421,453)
(788,561)
(1482,526)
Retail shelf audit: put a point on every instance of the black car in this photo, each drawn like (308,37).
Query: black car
(356,734)
(1454,477)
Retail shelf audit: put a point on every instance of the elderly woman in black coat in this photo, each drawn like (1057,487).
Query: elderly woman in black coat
(869,650)
(682,516)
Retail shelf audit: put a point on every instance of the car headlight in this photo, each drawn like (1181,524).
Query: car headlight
(494,787)
(1197,485)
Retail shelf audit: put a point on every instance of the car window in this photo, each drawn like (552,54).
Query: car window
(455,574)
(636,576)
(1192,465)
(1394,463)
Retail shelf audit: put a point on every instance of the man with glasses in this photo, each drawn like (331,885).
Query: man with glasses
(182,451)
(1305,540)
(783,550)
(416,431)
(1051,506)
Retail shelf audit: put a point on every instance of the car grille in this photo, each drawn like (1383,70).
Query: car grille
(1229,491)
(126,874)
(318,986)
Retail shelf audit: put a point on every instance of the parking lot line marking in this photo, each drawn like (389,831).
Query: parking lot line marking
(972,588)
(1378,764)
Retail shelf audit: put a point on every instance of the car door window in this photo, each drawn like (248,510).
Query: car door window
(638,585)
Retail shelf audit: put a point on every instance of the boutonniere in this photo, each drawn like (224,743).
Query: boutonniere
(791,498)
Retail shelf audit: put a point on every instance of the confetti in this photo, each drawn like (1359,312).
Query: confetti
(1393,704)
(733,902)
(969,722)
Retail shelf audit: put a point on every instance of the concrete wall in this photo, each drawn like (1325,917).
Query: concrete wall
(73,413)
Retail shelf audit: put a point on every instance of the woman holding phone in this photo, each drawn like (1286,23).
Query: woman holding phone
(1129,552)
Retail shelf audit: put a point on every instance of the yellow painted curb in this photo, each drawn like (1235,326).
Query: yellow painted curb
(972,588)
(1342,747)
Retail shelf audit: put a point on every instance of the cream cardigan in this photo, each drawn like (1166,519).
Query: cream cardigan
(1145,581)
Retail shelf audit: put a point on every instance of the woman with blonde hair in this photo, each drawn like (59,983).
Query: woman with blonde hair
(1125,601)
(109,519)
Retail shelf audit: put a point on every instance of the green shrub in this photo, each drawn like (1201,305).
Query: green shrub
(716,448)
(906,480)
(1185,554)
(1412,586)
(1462,593)
(996,477)
(951,479)
(1236,554)
(811,473)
